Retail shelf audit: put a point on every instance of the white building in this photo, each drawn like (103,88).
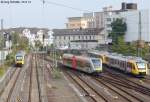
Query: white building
(50,40)
(132,19)
(34,35)
(134,22)
(78,38)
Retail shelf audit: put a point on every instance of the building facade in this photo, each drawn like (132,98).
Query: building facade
(71,38)
(137,22)
(76,22)
(131,16)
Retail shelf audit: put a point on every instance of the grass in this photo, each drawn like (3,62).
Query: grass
(56,73)
(3,68)
(8,62)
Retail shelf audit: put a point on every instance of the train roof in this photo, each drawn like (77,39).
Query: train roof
(79,57)
(118,56)
(125,58)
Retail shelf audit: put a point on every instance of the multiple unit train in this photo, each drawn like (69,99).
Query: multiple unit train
(82,63)
(128,64)
(20,58)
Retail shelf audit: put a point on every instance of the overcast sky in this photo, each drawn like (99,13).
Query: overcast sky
(50,15)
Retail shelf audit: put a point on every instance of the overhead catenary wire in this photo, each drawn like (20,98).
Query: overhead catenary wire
(66,6)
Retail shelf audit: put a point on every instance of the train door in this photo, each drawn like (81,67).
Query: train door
(134,69)
(74,62)
(129,67)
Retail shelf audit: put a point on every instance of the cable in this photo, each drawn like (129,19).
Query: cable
(66,6)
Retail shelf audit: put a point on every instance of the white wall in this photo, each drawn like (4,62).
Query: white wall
(3,55)
(132,20)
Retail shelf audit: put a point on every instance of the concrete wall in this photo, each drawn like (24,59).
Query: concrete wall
(132,20)
(3,54)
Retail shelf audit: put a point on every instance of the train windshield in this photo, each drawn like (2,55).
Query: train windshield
(141,65)
(19,57)
(96,62)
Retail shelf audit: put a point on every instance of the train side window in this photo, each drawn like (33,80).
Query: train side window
(79,64)
(128,65)
(87,65)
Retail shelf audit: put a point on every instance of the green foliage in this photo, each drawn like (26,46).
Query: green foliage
(1,41)
(23,44)
(10,58)
(119,26)
(19,43)
(38,44)
(118,29)
(56,73)
(15,38)
(2,71)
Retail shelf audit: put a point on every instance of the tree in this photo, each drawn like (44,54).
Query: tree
(23,43)
(2,41)
(118,29)
(38,44)
(19,42)
(15,38)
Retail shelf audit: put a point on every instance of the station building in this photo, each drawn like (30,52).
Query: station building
(78,38)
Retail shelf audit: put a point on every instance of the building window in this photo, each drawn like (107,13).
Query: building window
(69,37)
(90,37)
(82,37)
(79,37)
(86,38)
(93,37)
(108,25)
(109,19)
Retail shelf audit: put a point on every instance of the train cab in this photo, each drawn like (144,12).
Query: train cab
(19,59)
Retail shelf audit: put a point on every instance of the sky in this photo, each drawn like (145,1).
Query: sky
(53,14)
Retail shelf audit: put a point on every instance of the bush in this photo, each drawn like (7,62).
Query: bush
(10,58)
(56,73)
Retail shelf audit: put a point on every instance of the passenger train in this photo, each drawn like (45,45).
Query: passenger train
(20,58)
(128,64)
(82,63)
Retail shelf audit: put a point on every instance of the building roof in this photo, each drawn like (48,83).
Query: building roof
(84,41)
(87,31)
(75,18)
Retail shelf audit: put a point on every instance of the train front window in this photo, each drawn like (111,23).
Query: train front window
(96,62)
(141,65)
(18,58)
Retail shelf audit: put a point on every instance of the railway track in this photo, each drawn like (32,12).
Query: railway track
(7,92)
(41,80)
(18,70)
(126,95)
(13,91)
(125,88)
(125,91)
(124,82)
(90,92)
(30,79)
(34,89)
(108,92)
